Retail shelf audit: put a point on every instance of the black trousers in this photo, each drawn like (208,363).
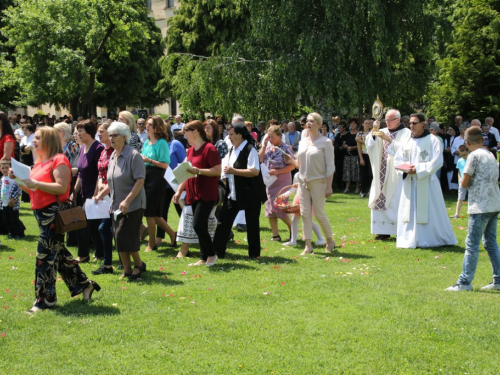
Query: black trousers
(160,233)
(339,171)
(201,213)
(13,225)
(90,236)
(366,174)
(228,213)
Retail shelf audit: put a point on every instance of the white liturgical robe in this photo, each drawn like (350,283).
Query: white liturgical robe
(422,217)
(386,181)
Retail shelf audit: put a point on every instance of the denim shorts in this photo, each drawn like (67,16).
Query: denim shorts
(462,193)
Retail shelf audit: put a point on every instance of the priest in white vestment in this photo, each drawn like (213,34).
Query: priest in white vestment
(387,183)
(422,217)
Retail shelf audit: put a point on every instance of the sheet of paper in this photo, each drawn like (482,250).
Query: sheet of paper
(99,210)
(169,176)
(224,163)
(21,171)
(268,179)
(181,174)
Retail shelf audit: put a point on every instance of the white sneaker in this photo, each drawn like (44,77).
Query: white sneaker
(320,242)
(289,243)
(459,287)
(491,286)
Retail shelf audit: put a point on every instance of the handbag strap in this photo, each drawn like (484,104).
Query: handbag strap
(54,180)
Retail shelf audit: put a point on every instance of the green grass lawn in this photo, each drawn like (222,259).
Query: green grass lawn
(369,308)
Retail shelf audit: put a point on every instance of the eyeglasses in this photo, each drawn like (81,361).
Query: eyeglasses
(389,120)
(141,123)
(113,135)
(23,122)
(415,123)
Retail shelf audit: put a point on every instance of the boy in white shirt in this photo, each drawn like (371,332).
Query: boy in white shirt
(481,178)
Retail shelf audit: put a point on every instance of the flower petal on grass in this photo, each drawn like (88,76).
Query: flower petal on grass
(3,334)
(266,293)
(183,273)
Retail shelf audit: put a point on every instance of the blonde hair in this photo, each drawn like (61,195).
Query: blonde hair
(317,117)
(62,126)
(51,142)
(130,120)
(276,129)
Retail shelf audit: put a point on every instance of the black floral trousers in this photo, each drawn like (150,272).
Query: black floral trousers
(52,257)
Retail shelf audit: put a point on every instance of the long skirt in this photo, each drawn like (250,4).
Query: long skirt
(272,192)
(185,230)
(52,257)
(351,168)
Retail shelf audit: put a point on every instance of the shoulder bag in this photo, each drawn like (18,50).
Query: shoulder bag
(67,218)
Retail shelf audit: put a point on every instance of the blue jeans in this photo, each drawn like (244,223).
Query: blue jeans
(481,226)
(106,233)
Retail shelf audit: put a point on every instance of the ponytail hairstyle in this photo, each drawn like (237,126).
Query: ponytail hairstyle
(240,128)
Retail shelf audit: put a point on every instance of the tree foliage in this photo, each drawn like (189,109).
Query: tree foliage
(321,53)
(66,50)
(7,89)
(468,81)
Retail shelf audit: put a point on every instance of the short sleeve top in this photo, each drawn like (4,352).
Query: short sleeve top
(87,168)
(203,188)
(484,195)
(123,171)
(6,139)
(177,153)
(275,159)
(158,151)
(42,173)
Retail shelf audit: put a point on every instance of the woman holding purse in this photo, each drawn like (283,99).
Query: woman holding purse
(49,182)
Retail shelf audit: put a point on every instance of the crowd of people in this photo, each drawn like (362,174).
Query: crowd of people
(396,162)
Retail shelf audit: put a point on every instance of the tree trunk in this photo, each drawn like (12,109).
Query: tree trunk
(73,107)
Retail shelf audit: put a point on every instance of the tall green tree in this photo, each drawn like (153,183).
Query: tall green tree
(320,53)
(66,50)
(7,89)
(468,82)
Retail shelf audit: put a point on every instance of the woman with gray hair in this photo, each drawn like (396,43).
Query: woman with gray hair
(126,174)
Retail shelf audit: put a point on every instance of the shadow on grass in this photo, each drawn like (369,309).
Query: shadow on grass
(263,258)
(4,248)
(339,253)
(77,307)
(30,238)
(446,249)
(157,277)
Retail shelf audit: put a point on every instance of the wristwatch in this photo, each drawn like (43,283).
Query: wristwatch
(37,185)
(199,171)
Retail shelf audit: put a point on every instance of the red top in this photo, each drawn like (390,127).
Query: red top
(102,164)
(203,188)
(41,173)
(5,139)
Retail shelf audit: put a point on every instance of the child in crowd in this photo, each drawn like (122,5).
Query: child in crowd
(296,217)
(462,192)
(481,177)
(10,193)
